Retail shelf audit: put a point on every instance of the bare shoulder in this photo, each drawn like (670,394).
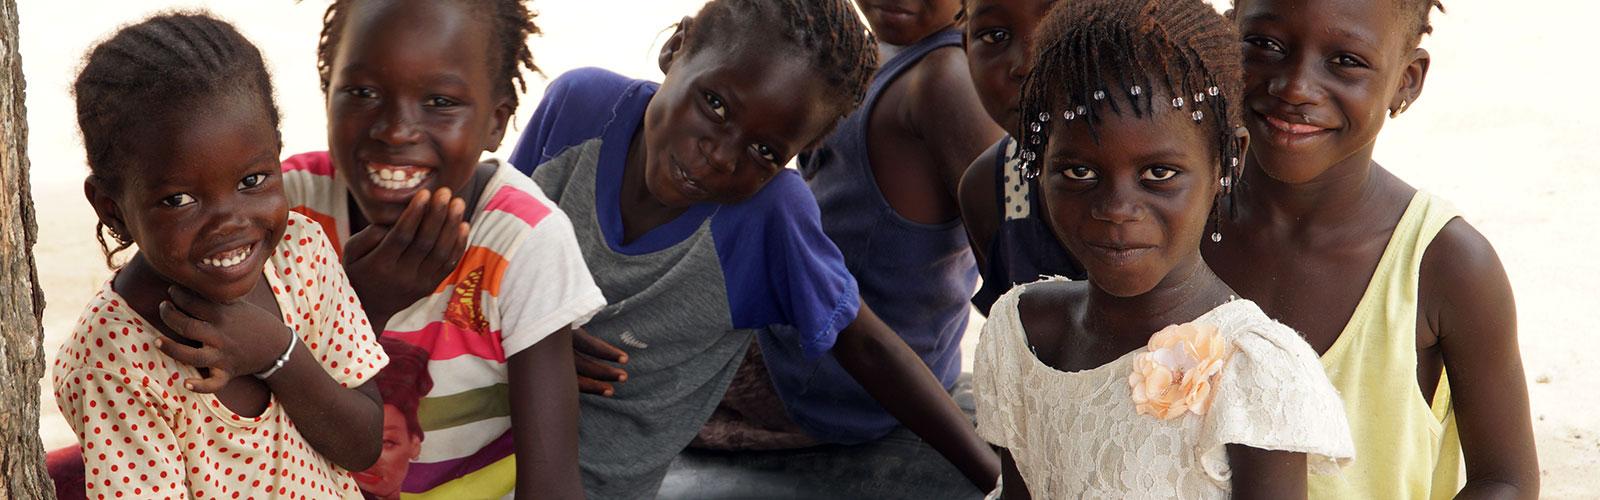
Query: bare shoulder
(1463,283)
(1047,308)
(939,85)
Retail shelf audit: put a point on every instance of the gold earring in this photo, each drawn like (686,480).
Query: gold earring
(1394,113)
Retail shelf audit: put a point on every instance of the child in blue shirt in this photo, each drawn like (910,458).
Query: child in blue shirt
(701,239)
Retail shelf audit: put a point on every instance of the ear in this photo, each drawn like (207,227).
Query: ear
(105,206)
(675,44)
(416,447)
(1411,80)
(503,109)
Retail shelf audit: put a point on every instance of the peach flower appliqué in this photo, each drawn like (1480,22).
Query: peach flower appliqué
(1175,374)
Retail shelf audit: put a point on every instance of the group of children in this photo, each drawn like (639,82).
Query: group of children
(644,300)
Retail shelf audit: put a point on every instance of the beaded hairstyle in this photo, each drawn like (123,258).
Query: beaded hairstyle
(148,72)
(1092,56)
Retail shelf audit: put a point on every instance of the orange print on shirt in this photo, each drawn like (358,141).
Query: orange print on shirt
(475,278)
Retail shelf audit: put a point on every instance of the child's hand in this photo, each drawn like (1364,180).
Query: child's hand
(237,338)
(391,268)
(593,375)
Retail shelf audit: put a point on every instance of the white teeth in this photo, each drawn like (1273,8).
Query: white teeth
(229,259)
(394,178)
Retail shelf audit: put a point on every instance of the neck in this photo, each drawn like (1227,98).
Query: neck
(1329,200)
(634,196)
(1186,293)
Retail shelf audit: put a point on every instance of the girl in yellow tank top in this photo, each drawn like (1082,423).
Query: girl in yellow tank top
(1407,303)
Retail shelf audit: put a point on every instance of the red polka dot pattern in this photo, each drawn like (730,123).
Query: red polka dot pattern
(145,436)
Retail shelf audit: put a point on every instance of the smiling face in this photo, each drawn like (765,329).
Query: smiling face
(1133,206)
(411,104)
(1320,76)
(904,22)
(726,120)
(999,36)
(204,199)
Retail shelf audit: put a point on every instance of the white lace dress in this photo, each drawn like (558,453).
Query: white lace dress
(1077,435)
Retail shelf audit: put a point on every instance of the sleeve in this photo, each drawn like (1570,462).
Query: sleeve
(996,388)
(547,286)
(1274,395)
(573,107)
(781,268)
(128,446)
(337,330)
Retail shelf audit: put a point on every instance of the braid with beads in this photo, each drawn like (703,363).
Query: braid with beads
(512,24)
(1097,55)
(148,73)
(828,32)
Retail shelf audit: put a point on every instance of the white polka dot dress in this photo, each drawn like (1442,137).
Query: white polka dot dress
(145,436)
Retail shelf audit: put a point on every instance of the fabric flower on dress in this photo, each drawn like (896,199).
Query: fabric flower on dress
(1175,374)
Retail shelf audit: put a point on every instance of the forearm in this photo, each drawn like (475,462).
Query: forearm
(544,418)
(894,376)
(1497,489)
(344,424)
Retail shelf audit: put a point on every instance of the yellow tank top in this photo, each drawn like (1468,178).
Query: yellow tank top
(1404,448)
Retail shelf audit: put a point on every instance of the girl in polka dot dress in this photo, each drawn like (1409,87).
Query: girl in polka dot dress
(227,358)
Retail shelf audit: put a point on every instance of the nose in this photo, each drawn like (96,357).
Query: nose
(1117,206)
(1020,64)
(397,124)
(229,217)
(1296,84)
(721,154)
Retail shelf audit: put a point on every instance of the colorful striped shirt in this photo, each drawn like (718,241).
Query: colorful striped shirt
(521,279)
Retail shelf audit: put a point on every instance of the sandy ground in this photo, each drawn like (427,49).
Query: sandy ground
(1502,130)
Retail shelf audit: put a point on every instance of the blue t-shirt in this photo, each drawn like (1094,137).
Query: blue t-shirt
(686,297)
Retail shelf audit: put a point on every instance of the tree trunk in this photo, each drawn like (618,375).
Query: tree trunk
(21,300)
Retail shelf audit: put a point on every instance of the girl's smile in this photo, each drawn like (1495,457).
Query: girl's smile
(1133,202)
(410,102)
(211,207)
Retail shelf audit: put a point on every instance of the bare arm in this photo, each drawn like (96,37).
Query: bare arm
(1014,487)
(896,377)
(980,211)
(544,418)
(1268,474)
(944,111)
(1468,303)
(236,339)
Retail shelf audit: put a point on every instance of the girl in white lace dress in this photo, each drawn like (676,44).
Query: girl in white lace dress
(1150,380)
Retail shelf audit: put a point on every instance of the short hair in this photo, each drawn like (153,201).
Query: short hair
(405,380)
(151,70)
(513,24)
(829,33)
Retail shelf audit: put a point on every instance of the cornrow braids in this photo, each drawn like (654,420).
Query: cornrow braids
(1097,55)
(828,32)
(513,24)
(150,72)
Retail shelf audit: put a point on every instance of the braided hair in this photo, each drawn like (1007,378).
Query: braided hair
(1419,12)
(1091,56)
(513,24)
(150,72)
(828,32)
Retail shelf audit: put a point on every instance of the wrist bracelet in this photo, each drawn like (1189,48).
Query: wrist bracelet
(282,360)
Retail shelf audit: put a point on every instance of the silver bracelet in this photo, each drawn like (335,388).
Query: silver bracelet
(282,360)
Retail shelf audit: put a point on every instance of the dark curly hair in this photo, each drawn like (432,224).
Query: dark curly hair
(828,32)
(513,24)
(149,72)
(1094,56)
